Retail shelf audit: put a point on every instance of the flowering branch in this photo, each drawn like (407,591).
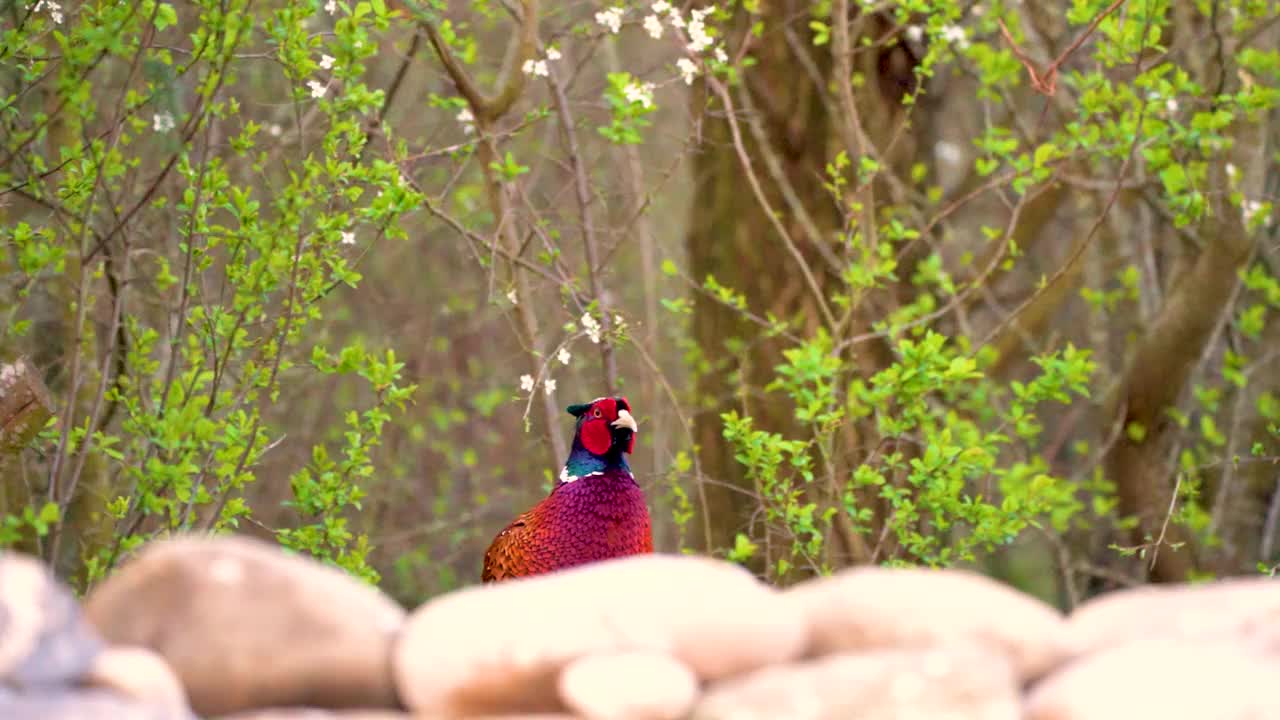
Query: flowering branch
(485,111)
(587,226)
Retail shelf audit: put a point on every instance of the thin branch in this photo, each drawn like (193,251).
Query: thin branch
(685,424)
(785,187)
(586,224)
(523,45)
(745,159)
(850,121)
(1046,82)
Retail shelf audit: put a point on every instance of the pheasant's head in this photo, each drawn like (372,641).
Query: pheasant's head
(605,426)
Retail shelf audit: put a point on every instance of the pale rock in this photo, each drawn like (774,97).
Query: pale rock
(302,713)
(245,624)
(44,639)
(139,674)
(500,647)
(956,682)
(315,714)
(1166,679)
(628,686)
(1238,607)
(80,705)
(873,607)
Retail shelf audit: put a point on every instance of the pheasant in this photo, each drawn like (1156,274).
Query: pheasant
(596,511)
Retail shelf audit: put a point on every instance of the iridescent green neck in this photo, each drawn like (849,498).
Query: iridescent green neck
(582,462)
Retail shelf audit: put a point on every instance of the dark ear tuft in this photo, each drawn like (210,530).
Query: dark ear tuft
(577,410)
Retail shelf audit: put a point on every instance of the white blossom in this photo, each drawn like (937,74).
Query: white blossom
(639,93)
(592,327)
(1171,105)
(526,383)
(610,19)
(1231,170)
(699,39)
(331,7)
(653,26)
(563,356)
(55,10)
(688,70)
(535,67)
(915,33)
(702,12)
(326,62)
(661,6)
(513,297)
(275,130)
(348,237)
(1250,208)
(553,53)
(162,122)
(721,56)
(955,34)
(467,120)
(549,386)
(675,19)
(318,89)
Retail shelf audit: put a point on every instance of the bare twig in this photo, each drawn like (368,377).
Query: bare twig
(1046,82)
(1164,527)
(486,111)
(1271,526)
(586,222)
(849,120)
(744,158)
(488,108)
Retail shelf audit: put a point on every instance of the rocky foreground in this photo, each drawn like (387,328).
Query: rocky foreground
(236,628)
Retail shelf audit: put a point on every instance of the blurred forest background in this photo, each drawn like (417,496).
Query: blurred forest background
(990,283)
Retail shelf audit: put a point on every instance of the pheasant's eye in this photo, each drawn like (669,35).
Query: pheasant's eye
(596,413)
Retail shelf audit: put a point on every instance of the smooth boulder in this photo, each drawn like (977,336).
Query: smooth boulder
(139,674)
(44,639)
(314,714)
(245,624)
(628,686)
(1246,608)
(959,682)
(1166,679)
(500,648)
(869,608)
(80,705)
(296,713)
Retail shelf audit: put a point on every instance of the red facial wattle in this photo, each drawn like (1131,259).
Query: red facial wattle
(597,429)
(596,437)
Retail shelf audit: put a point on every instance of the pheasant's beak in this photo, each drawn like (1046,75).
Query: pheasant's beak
(625,421)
